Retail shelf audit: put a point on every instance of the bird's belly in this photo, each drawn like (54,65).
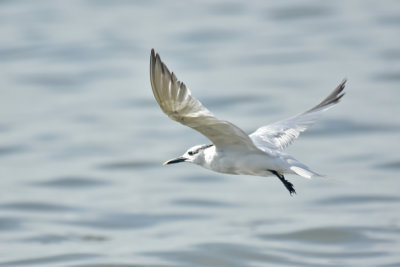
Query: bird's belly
(250,164)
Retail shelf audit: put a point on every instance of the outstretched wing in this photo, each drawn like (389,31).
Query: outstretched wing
(280,134)
(177,102)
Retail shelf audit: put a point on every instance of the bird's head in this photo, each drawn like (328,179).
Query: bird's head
(194,154)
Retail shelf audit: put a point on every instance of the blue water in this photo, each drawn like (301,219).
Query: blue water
(82,139)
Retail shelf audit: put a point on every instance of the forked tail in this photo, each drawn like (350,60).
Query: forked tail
(300,169)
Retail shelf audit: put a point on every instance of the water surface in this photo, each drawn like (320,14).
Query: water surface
(83,140)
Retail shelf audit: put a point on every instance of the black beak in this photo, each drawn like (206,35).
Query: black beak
(177,160)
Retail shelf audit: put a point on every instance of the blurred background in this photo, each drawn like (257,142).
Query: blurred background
(82,139)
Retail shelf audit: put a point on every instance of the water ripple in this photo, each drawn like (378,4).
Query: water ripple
(36,207)
(119,221)
(10,223)
(67,80)
(62,258)
(193,178)
(279,58)
(112,264)
(4,127)
(194,202)
(357,200)
(388,76)
(127,165)
(395,165)
(300,12)
(346,236)
(362,254)
(73,182)
(12,149)
(227,8)
(57,238)
(226,254)
(208,35)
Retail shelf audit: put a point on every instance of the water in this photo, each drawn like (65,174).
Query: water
(83,140)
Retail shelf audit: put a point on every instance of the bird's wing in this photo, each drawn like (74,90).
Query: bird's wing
(280,134)
(177,102)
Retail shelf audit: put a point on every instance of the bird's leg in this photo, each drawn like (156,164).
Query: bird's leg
(286,183)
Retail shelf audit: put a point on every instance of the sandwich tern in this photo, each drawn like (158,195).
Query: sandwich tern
(233,151)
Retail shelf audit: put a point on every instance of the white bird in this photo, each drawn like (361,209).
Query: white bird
(233,151)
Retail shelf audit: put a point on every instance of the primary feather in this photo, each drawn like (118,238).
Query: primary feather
(280,134)
(178,103)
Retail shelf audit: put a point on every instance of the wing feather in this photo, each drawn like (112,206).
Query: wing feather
(280,134)
(176,101)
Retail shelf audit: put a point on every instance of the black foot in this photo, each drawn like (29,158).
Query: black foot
(286,183)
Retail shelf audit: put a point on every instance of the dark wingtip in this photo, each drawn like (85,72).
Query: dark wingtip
(155,56)
(343,84)
(332,98)
(152,58)
(341,87)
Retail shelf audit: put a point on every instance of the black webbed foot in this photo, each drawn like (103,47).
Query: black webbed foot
(286,183)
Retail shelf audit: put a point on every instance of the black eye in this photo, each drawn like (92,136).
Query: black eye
(190,153)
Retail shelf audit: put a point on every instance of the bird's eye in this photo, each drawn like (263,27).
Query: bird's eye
(190,153)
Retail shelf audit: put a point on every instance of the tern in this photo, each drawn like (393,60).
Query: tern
(233,151)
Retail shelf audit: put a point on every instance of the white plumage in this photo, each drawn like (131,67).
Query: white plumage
(232,150)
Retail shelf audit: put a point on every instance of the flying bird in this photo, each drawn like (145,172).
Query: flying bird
(232,151)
